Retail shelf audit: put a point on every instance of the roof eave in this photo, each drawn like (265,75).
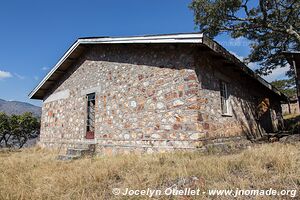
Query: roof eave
(62,59)
(190,38)
(173,38)
(221,50)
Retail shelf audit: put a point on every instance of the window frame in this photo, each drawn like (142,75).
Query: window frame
(225,99)
(90,99)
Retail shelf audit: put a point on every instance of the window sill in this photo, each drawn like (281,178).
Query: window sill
(226,115)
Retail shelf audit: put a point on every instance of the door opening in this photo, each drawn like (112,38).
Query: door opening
(90,123)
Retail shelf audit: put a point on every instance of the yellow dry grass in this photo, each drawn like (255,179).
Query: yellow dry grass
(290,116)
(36,174)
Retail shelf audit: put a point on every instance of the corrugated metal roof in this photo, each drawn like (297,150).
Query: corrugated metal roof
(183,38)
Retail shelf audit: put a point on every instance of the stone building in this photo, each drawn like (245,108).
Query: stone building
(153,93)
(292,107)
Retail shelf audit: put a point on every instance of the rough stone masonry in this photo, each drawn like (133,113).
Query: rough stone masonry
(156,97)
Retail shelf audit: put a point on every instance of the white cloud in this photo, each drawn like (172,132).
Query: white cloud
(36,78)
(241,58)
(253,65)
(235,42)
(277,74)
(45,68)
(19,76)
(4,74)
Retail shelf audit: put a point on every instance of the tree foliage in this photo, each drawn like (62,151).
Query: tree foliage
(15,130)
(272,26)
(286,86)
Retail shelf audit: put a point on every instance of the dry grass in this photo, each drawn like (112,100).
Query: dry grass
(36,174)
(289,116)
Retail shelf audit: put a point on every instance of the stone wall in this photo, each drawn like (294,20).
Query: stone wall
(246,96)
(292,108)
(150,98)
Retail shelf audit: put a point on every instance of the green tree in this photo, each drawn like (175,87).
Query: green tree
(17,129)
(286,86)
(272,26)
(23,127)
(4,128)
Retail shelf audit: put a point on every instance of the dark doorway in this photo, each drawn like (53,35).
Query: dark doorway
(90,123)
(264,115)
(266,121)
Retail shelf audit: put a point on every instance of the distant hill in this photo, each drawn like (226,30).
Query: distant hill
(18,107)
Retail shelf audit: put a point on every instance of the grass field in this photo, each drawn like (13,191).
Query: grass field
(36,174)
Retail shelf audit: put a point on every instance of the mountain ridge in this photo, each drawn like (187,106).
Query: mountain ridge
(19,107)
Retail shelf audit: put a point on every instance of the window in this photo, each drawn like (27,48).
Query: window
(225,104)
(90,123)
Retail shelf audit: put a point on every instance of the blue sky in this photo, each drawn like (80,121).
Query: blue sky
(35,34)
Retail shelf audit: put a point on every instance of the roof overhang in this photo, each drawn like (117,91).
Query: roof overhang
(293,57)
(233,60)
(78,47)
